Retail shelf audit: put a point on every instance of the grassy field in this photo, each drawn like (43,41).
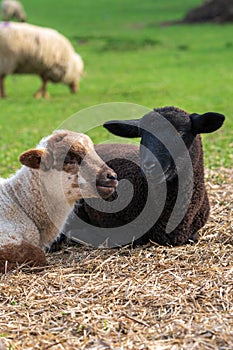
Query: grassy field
(128,57)
(155,298)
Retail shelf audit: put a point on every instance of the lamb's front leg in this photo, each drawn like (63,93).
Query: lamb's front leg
(12,255)
(42,91)
(2,89)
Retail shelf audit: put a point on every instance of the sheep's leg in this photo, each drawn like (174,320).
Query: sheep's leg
(12,255)
(74,87)
(58,243)
(2,90)
(42,91)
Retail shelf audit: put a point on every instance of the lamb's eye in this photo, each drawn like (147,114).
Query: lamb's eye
(182,133)
(73,158)
(79,159)
(69,159)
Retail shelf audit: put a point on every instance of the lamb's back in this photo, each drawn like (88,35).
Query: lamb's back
(26,48)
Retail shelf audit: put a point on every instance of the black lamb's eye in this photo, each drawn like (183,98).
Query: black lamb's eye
(181,133)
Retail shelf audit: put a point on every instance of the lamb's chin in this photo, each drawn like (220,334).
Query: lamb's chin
(105,192)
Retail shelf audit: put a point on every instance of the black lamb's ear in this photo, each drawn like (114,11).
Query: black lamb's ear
(207,122)
(124,128)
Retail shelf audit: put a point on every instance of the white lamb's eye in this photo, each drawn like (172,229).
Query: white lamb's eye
(69,159)
(79,159)
(73,159)
(66,160)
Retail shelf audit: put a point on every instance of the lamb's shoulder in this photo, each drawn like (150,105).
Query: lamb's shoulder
(15,225)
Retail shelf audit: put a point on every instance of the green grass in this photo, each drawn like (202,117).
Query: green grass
(128,57)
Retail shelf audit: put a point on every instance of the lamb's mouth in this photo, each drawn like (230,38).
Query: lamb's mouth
(105,190)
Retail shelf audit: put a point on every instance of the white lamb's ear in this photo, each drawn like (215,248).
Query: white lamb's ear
(207,122)
(32,157)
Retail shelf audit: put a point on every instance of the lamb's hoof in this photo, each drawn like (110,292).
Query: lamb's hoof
(57,245)
(46,95)
(12,255)
(38,94)
(61,242)
(195,237)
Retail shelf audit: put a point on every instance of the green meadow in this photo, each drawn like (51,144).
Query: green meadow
(129,57)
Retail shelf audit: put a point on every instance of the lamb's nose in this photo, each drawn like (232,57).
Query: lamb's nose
(112,176)
(107,177)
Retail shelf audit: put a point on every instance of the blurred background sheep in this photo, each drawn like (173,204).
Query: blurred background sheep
(29,49)
(12,9)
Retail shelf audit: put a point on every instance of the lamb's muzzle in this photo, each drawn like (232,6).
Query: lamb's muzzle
(106,182)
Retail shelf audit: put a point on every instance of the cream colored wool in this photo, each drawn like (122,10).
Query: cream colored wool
(29,49)
(23,214)
(12,9)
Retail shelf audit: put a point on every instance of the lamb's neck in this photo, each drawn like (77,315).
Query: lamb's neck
(48,213)
(155,191)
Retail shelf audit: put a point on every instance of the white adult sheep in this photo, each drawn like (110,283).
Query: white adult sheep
(35,202)
(29,49)
(12,9)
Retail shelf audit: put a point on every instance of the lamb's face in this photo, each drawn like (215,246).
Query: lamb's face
(84,173)
(166,136)
(165,141)
(69,163)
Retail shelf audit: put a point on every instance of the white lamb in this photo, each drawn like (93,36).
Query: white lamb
(13,9)
(29,49)
(35,202)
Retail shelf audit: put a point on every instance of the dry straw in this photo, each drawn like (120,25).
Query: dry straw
(148,298)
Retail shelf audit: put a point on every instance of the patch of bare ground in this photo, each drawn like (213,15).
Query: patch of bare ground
(146,298)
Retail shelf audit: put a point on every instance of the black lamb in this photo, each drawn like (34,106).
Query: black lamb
(167,175)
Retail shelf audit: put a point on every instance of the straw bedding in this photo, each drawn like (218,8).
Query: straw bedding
(150,298)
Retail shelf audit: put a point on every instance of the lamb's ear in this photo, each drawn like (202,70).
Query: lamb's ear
(124,128)
(207,122)
(32,157)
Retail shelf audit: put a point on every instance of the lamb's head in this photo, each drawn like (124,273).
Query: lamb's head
(76,72)
(67,160)
(166,136)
